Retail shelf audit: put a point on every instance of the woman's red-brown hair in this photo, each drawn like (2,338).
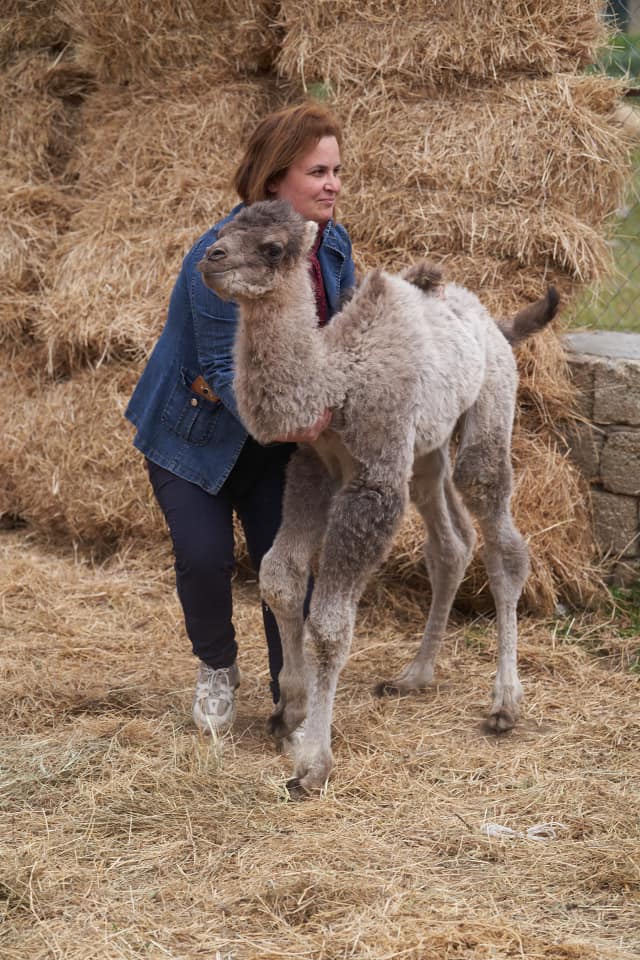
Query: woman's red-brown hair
(277,142)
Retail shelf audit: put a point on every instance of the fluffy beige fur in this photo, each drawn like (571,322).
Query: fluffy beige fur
(404,367)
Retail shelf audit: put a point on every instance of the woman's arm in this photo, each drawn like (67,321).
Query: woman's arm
(214,322)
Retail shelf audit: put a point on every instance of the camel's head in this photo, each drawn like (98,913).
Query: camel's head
(257,250)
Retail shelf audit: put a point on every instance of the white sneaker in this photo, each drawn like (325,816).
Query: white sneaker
(291,743)
(214,699)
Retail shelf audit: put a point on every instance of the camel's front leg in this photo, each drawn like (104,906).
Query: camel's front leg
(284,577)
(361,525)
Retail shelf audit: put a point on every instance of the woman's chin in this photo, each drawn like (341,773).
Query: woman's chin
(323,215)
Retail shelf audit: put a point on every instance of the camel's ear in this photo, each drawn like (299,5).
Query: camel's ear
(310,234)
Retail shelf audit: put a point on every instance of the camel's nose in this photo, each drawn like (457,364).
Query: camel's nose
(216,253)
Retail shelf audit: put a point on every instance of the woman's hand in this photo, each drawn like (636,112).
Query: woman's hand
(311,433)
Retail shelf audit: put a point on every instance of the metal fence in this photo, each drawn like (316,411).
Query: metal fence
(616,304)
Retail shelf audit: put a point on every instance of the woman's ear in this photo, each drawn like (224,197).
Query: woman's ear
(271,188)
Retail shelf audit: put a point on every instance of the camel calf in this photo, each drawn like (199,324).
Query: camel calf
(403,369)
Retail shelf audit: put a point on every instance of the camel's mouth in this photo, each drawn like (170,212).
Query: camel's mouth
(212,276)
(206,267)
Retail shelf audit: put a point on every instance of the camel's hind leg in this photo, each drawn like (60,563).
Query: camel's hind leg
(484,476)
(448,549)
(284,577)
(362,521)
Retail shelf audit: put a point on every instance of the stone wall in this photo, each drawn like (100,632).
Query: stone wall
(606,444)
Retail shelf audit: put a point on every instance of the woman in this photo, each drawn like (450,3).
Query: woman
(202,463)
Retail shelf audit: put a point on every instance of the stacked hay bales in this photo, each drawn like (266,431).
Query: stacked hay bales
(112,175)
(153,165)
(473,137)
(412,44)
(133,41)
(37,122)
(39,98)
(470,136)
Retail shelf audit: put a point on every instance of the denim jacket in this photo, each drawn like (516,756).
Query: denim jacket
(195,438)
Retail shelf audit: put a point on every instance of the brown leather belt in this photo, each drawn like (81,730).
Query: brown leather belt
(202,388)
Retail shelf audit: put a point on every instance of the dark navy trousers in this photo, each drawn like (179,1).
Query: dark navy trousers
(201,527)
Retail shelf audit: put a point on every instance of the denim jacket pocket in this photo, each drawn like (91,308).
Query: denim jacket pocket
(189,415)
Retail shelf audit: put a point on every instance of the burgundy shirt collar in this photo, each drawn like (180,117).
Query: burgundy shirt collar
(316,276)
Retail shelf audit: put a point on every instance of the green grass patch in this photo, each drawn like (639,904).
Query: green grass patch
(615,305)
(627,604)
(321,91)
(612,631)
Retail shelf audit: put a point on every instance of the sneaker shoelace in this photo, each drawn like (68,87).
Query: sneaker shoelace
(217,683)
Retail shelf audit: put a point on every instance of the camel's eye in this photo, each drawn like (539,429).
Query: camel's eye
(273,251)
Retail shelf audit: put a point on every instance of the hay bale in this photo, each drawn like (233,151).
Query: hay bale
(546,394)
(97,308)
(36,129)
(32,218)
(552,509)
(30,24)
(540,240)
(508,142)
(21,376)
(525,171)
(68,462)
(153,169)
(133,41)
(38,98)
(347,44)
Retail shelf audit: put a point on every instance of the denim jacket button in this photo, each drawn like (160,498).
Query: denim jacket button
(194,402)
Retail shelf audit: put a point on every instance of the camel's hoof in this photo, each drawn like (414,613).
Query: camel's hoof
(279,727)
(276,726)
(296,790)
(387,688)
(501,722)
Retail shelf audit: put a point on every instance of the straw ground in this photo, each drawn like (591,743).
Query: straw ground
(126,835)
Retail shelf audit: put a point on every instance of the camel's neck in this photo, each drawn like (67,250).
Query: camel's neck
(285,377)
(288,311)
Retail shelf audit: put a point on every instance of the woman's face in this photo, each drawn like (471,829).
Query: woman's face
(312,183)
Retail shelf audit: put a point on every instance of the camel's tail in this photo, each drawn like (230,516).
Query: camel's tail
(532,318)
